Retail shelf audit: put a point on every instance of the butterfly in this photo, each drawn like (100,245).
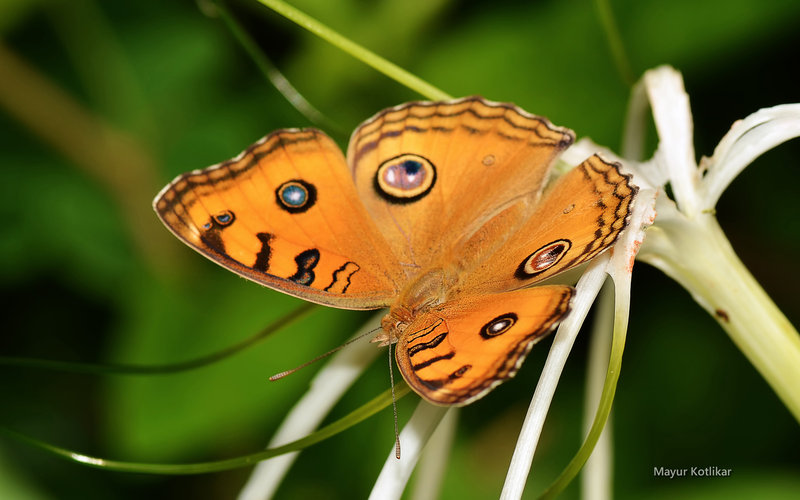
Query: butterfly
(440,211)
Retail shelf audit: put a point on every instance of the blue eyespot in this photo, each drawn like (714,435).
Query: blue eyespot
(296,196)
(222,219)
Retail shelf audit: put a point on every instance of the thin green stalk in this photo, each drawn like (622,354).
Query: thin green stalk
(389,69)
(615,41)
(271,73)
(622,309)
(356,416)
(183,366)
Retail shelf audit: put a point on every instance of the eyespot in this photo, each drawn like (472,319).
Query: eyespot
(498,326)
(405,178)
(543,259)
(224,218)
(296,196)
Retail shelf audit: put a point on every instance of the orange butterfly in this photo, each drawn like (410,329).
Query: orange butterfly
(438,212)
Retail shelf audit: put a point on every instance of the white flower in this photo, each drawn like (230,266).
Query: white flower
(683,240)
(686,242)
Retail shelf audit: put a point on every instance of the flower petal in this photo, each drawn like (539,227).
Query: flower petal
(597,472)
(587,288)
(395,473)
(326,389)
(673,118)
(433,463)
(627,246)
(745,141)
(645,175)
(583,149)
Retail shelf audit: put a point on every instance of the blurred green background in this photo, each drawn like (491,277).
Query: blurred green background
(102,103)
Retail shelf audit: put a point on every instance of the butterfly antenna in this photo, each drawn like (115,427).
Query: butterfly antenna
(394,407)
(282,374)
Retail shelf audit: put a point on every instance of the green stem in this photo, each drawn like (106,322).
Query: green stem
(621,313)
(165,369)
(615,41)
(389,69)
(358,415)
(271,73)
(696,254)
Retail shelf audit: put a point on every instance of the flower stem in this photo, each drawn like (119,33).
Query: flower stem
(696,254)
(622,302)
(615,42)
(271,73)
(389,69)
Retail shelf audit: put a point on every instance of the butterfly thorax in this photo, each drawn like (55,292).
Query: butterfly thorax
(429,289)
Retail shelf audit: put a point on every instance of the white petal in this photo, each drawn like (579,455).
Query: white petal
(583,149)
(643,214)
(597,473)
(395,473)
(673,118)
(434,459)
(644,174)
(637,118)
(649,174)
(587,288)
(596,479)
(326,389)
(745,141)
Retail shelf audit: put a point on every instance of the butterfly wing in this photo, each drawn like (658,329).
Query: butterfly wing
(458,352)
(285,213)
(579,217)
(431,173)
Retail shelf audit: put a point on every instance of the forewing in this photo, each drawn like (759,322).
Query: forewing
(285,213)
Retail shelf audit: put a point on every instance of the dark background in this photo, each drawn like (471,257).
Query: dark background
(116,98)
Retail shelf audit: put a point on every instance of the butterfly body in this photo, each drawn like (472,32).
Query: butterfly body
(439,212)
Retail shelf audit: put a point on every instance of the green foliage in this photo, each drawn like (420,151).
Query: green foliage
(87,273)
